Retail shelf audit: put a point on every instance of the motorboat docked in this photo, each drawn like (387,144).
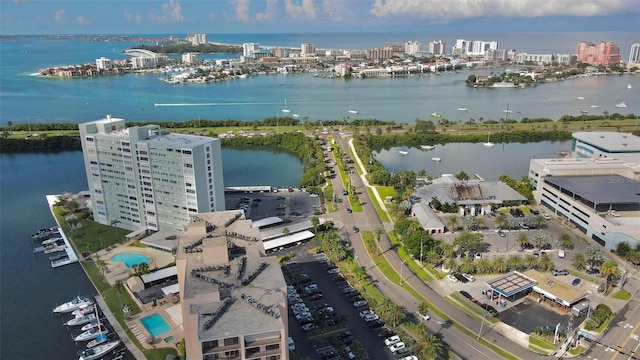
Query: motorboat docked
(51,241)
(42,233)
(72,305)
(295,116)
(91,334)
(91,325)
(427,147)
(402,152)
(98,351)
(488,143)
(435,115)
(353,111)
(621,105)
(81,320)
(595,106)
(462,108)
(436,159)
(83,310)
(102,338)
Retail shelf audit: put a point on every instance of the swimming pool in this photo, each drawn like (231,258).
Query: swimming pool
(155,324)
(130,259)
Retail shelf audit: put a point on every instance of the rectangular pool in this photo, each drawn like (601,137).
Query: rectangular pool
(155,324)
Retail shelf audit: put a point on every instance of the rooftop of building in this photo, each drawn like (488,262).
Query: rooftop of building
(449,189)
(613,142)
(549,284)
(237,287)
(588,164)
(600,189)
(512,283)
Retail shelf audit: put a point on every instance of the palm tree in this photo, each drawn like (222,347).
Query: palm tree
(377,233)
(609,270)
(514,262)
(499,265)
(522,239)
(396,314)
(452,223)
(447,250)
(468,266)
(545,263)
(579,262)
(501,220)
(540,241)
(451,264)
(423,308)
(432,257)
(428,346)
(119,286)
(565,241)
(530,261)
(483,266)
(101,264)
(384,306)
(114,223)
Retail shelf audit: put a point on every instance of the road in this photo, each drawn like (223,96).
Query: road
(622,340)
(457,341)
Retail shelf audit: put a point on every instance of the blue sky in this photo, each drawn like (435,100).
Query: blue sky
(300,16)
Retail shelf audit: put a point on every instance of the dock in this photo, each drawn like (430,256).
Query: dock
(51,246)
(71,255)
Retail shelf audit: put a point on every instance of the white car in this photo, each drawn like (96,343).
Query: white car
(371,317)
(397,346)
(469,277)
(392,340)
(360,304)
(303,315)
(424,317)
(452,278)
(410,357)
(333,271)
(313,195)
(364,313)
(546,216)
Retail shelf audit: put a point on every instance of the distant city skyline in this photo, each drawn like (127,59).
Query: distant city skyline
(26,17)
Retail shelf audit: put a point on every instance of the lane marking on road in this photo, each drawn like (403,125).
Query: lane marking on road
(624,343)
(471,345)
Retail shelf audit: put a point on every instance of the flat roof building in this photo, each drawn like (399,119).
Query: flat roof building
(233,295)
(145,177)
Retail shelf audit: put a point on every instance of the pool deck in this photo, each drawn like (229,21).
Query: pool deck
(142,334)
(116,270)
(119,330)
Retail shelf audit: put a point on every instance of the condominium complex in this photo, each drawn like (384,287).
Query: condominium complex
(634,54)
(473,48)
(597,189)
(144,177)
(412,47)
(103,63)
(197,39)
(604,53)
(249,48)
(233,296)
(437,47)
(307,50)
(189,58)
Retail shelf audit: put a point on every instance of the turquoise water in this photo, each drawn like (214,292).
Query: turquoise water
(155,324)
(130,259)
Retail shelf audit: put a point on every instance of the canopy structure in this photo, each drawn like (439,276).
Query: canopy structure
(288,240)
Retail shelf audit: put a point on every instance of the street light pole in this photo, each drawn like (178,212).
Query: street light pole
(481,325)
(401,266)
(421,241)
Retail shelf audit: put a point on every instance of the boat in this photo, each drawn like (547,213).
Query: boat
(488,143)
(595,106)
(353,111)
(427,147)
(621,105)
(285,110)
(102,338)
(45,232)
(580,98)
(91,325)
(436,159)
(91,334)
(72,305)
(81,320)
(83,310)
(98,351)
(435,114)
(51,241)
(629,86)
(507,110)
(295,116)
(402,152)
(462,108)
(584,112)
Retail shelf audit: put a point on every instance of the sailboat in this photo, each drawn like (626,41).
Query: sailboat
(427,147)
(436,159)
(462,108)
(488,143)
(285,110)
(354,110)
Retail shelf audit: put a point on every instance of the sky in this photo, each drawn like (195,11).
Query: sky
(36,17)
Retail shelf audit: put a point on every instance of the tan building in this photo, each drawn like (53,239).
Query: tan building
(233,295)
(604,53)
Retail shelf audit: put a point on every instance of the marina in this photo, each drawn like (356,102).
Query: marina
(53,242)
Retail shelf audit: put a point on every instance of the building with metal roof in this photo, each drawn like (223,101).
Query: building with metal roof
(511,284)
(605,144)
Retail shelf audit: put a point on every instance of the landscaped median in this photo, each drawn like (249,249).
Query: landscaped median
(540,344)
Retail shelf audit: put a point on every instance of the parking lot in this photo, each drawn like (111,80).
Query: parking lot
(528,314)
(260,205)
(330,302)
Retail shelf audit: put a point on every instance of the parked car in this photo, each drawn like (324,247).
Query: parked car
(348,290)
(360,303)
(356,229)
(461,278)
(364,313)
(345,192)
(345,338)
(575,282)
(410,357)
(371,317)
(392,340)
(465,294)
(546,216)
(333,271)
(452,278)
(385,333)
(501,233)
(523,225)
(593,271)
(489,308)
(349,210)
(397,346)
(311,287)
(309,327)
(376,324)
(534,211)
(557,272)
(469,277)
(316,297)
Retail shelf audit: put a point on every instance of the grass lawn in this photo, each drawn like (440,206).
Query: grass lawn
(577,350)
(385,191)
(622,295)
(604,325)
(381,213)
(540,342)
(469,308)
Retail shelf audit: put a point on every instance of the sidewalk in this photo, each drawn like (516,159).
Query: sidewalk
(118,329)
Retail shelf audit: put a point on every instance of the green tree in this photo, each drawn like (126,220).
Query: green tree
(468,266)
(540,240)
(423,308)
(377,233)
(565,241)
(515,262)
(609,270)
(522,240)
(483,266)
(315,222)
(428,346)
(501,220)
(447,250)
(452,223)
(452,264)
(499,264)
(396,314)
(530,261)
(545,263)
(579,262)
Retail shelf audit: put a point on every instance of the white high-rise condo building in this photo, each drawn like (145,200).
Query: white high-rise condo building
(249,48)
(144,177)
(307,50)
(476,47)
(103,63)
(437,47)
(634,54)
(412,47)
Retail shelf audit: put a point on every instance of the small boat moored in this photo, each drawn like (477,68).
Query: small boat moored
(98,351)
(427,147)
(435,115)
(81,320)
(621,105)
(72,305)
(91,334)
(436,159)
(403,152)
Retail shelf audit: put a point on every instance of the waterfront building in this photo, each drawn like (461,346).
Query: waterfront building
(197,39)
(233,296)
(437,47)
(412,47)
(307,50)
(145,177)
(189,58)
(354,55)
(395,49)
(597,189)
(146,59)
(566,59)
(540,59)
(249,48)
(379,54)
(103,63)
(473,48)
(604,53)
(634,54)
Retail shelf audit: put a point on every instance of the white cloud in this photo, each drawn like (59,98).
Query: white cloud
(129,17)
(19,1)
(336,10)
(242,10)
(171,12)
(58,16)
(270,12)
(138,19)
(80,20)
(305,11)
(455,9)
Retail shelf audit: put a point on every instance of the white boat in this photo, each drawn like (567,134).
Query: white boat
(83,310)
(91,325)
(580,98)
(436,159)
(353,111)
(72,305)
(295,116)
(91,334)
(584,112)
(403,152)
(51,241)
(98,351)
(285,110)
(629,86)
(488,143)
(102,338)
(507,110)
(462,108)
(435,114)
(427,147)
(621,105)
(595,106)
(81,320)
